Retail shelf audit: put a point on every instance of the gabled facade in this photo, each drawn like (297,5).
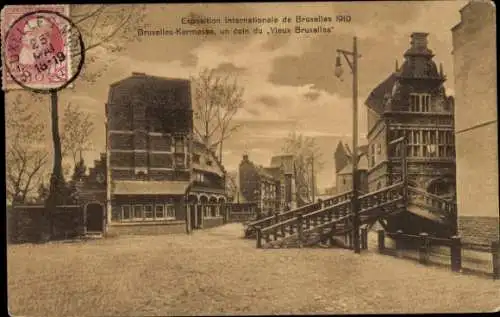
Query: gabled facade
(343,168)
(412,101)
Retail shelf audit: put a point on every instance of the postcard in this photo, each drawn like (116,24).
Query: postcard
(251,158)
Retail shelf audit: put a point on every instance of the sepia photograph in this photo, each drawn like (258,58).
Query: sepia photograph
(251,158)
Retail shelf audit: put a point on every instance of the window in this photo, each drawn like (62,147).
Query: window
(179,160)
(209,162)
(159,211)
(179,145)
(170,211)
(126,212)
(200,177)
(148,212)
(420,102)
(138,212)
(206,211)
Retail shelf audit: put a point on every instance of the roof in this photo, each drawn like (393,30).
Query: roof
(286,160)
(265,172)
(375,100)
(149,187)
(362,165)
(273,171)
(198,148)
(141,76)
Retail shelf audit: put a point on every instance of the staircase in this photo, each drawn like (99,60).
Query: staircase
(253,226)
(318,222)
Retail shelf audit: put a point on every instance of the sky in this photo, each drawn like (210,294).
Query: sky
(288,79)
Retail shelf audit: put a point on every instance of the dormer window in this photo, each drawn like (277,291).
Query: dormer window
(420,102)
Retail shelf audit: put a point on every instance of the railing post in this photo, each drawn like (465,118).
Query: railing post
(299,229)
(398,239)
(456,254)
(259,237)
(495,252)
(423,250)
(276,218)
(381,240)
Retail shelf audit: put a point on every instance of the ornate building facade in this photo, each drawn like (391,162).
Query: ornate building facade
(412,101)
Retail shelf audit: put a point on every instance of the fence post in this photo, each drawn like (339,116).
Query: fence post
(299,229)
(399,247)
(456,254)
(276,218)
(258,234)
(423,250)
(495,252)
(381,240)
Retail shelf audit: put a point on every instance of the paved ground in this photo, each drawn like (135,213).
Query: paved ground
(217,272)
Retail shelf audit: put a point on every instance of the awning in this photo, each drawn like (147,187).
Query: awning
(148,187)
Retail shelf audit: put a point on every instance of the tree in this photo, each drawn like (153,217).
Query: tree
(76,131)
(25,157)
(104,27)
(217,99)
(307,157)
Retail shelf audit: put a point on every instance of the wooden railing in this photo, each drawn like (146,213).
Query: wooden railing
(283,216)
(433,203)
(328,216)
(336,211)
(381,196)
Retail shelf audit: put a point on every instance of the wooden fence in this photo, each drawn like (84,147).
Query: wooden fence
(426,246)
(28,223)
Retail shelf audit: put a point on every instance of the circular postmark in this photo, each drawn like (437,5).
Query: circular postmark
(43,51)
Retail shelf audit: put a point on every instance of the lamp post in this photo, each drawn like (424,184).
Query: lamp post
(353,65)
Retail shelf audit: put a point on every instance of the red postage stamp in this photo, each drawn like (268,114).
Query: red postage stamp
(36,47)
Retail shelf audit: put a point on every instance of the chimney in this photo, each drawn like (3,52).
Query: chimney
(419,41)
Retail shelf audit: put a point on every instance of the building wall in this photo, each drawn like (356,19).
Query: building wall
(474,53)
(344,182)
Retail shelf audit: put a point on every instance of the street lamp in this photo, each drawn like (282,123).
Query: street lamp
(353,65)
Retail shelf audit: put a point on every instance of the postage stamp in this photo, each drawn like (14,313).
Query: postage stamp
(36,52)
(252,158)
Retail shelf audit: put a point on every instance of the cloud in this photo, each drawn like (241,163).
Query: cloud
(230,68)
(312,95)
(268,100)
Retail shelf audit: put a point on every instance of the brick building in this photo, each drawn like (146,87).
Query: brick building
(476,127)
(343,168)
(260,185)
(155,168)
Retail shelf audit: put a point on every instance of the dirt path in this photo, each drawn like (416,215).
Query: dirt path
(217,272)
